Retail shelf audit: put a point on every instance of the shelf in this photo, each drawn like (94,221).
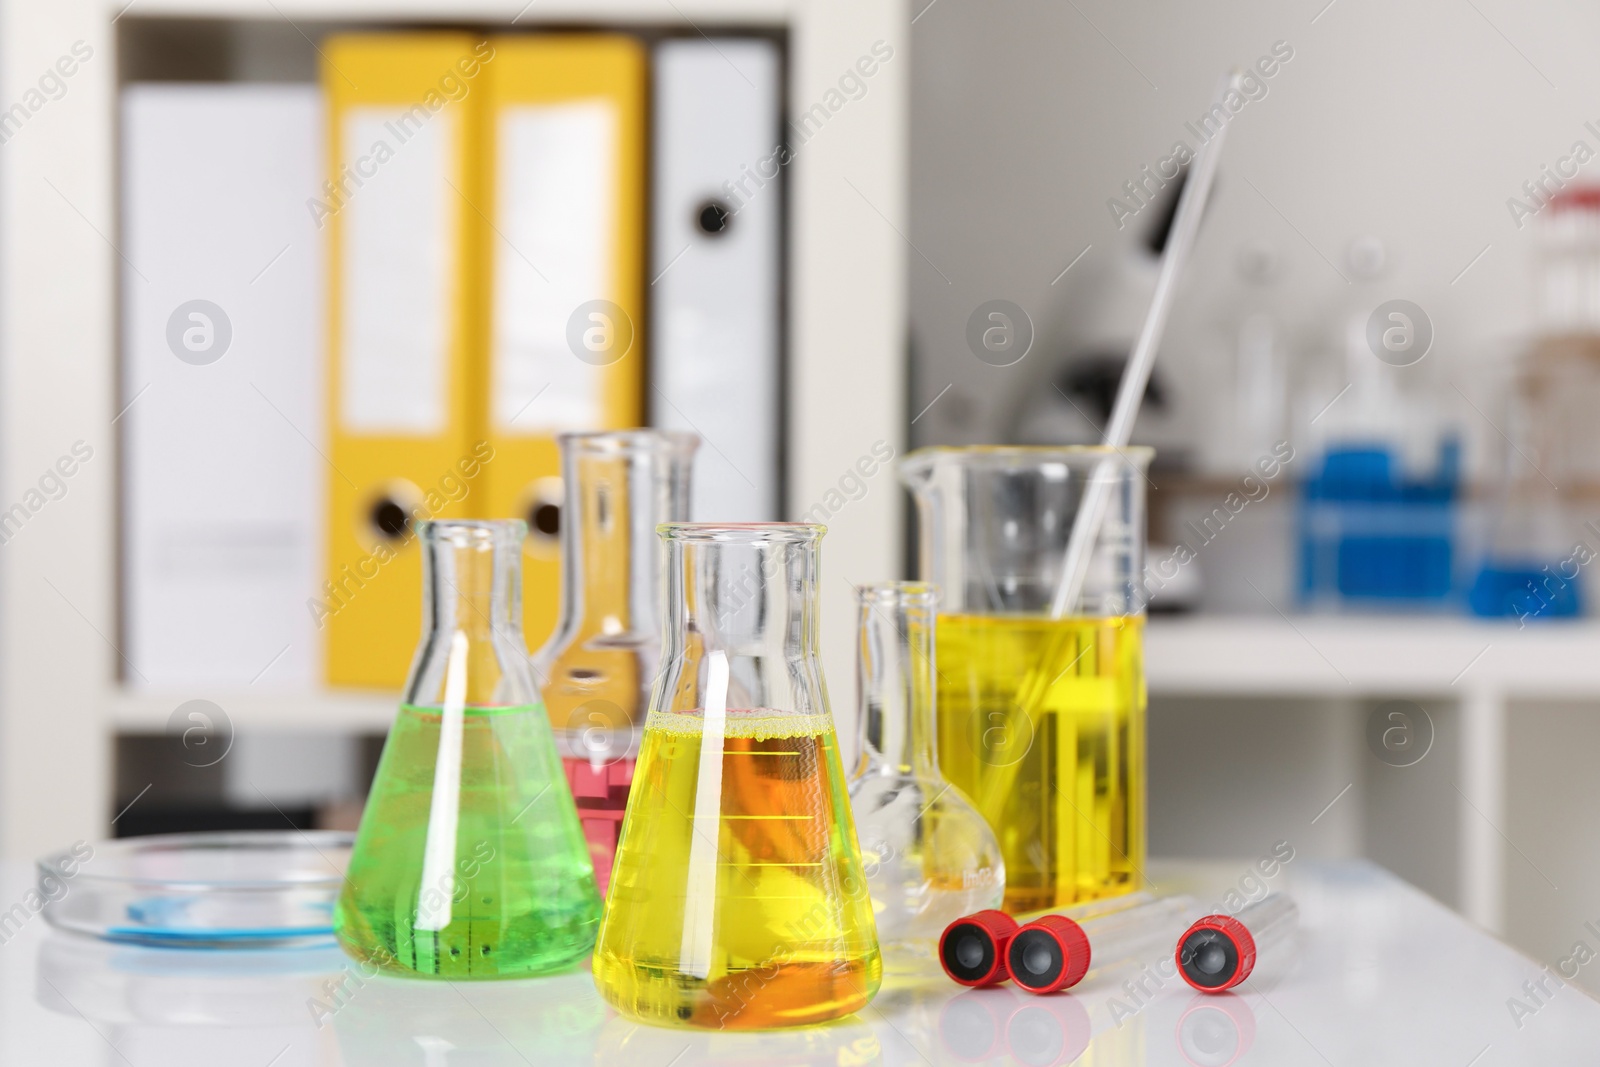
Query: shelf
(265,711)
(1201,655)
(1367,656)
(698,12)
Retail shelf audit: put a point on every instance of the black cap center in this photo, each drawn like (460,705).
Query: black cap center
(1209,958)
(968,952)
(1036,958)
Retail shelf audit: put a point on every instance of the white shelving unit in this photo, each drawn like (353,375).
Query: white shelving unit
(1371,656)
(1482,667)
(60,702)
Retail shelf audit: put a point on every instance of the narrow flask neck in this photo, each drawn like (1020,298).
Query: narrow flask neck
(894,675)
(471,616)
(616,496)
(471,589)
(748,593)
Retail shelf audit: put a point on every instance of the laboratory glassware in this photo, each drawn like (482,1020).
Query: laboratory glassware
(1559,375)
(1549,451)
(596,670)
(1219,951)
(469,862)
(1377,519)
(738,899)
(1041,719)
(930,857)
(1054,952)
(972,949)
(228,890)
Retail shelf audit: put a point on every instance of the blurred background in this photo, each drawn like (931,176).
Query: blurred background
(242,342)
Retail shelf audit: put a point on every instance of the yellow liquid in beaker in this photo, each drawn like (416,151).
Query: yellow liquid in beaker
(1041,723)
(737,899)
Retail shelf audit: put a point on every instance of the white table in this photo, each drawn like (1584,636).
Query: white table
(1384,976)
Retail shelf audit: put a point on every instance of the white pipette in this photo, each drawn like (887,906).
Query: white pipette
(1136,375)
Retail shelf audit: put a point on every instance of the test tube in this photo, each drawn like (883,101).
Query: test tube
(973,948)
(1055,952)
(1219,951)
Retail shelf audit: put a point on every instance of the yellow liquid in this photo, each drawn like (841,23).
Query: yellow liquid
(1041,722)
(745,908)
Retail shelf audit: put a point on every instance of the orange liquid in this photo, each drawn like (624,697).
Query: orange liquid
(744,907)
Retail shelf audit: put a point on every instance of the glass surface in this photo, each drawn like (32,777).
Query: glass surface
(267,889)
(470,862)
(1041,720)
(930,856)
(597,668)
(738,900)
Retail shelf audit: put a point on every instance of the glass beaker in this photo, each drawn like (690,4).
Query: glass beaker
(597,668)
(1041,719)
(930,857)
(737,897)
(469,862)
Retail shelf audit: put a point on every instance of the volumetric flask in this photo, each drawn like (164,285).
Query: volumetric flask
(737,898)
(1041,718)
(930,857)
(597,669)
(469,862)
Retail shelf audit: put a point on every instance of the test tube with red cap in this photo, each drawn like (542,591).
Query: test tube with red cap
(1219,951)
(973,948)
(1056,952)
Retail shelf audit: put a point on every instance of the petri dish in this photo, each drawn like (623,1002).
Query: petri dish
(230,890)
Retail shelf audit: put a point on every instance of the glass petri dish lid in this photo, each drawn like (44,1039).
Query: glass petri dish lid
(272,889)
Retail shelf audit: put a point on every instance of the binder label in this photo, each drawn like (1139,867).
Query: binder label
(555,186)
(398,277)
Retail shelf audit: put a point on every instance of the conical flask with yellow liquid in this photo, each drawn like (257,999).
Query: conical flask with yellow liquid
(470,862)
(737,898)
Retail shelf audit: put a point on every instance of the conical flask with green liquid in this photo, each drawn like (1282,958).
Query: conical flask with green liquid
(470,861)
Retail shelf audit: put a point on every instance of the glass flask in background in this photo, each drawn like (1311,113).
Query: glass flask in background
(1041,720)
(930,857)
(1530,569)
(1558,377)
(737,897)
(469,862)
(597,668)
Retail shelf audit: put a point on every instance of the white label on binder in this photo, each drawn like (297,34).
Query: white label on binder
(398,273)
(555,183)
(714,307)
(222,500)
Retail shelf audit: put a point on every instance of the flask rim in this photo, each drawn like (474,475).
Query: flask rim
(1019,457)
(743,533)
(913,594)
(628,442)
(468,533)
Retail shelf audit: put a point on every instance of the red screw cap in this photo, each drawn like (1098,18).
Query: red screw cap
(1048,955)
(1216,953)
(973,949)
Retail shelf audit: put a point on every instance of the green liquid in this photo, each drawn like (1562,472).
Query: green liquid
(508,890)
